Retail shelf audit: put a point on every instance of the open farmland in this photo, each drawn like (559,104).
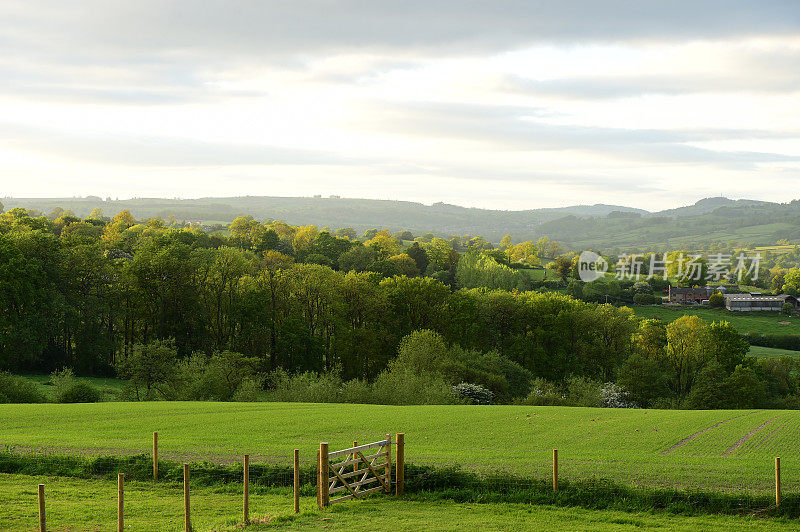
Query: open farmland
(717,450)
(759,322)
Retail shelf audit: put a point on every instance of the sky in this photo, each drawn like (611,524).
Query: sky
(495,104)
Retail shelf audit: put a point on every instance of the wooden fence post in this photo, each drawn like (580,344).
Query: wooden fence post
(777,481)
(319,481)
(186,505)
(400,473)
(323,466)
(297,481)
(42,520)
(555,469)
(354,457)
(120,502)
(246,480)
(389,464)
(155,456)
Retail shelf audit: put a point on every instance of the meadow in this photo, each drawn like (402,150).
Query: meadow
(717,450)
(90,504)
(771,352)
(760,322)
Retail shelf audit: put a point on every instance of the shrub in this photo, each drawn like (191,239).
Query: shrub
(787,309)
(716,300)
(305,387)
(14,389)
(544,393)
(70,390)
(79,392)
(247,391)
(401,387)
(645,299)
(473,394)
(615,396)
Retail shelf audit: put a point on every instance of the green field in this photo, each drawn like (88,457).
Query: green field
(716,450)
(760,322)
(771,352)
(79,504)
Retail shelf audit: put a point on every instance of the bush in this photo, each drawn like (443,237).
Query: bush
(473,394)
(615,396)
(14,389)
(406,388)
(305,387)
(247,391)
(716,300)
(576,391)
(70,390)
(787,309)
(645,299)
(79,392)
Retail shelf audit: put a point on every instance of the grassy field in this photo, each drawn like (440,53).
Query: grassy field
(771,352)
(760,322)
(79,504)
(718,450)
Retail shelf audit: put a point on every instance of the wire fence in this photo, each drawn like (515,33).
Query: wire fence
(696,483)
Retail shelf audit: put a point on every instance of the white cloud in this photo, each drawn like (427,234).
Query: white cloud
(508,105)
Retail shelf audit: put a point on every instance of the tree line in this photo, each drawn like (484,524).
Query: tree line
(98,294)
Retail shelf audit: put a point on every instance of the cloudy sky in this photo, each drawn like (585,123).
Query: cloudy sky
(499,104)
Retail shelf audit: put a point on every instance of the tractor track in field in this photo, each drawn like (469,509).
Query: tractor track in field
(736,446)
(701,432)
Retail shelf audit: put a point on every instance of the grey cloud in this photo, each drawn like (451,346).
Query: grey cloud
(516,128)
(266,28)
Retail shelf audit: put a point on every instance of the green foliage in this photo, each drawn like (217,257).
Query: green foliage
(151,369)
(645,379)
(68,389)
(15,389)
(473,394)
(716,300)
(481,269)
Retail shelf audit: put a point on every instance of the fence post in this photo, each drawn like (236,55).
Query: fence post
(297,481)
(777,481)
(400,473)
(42,523)
(246,480)
(354,457)
(323,466)
(389,464)
(319,481)
(555,469)
(186,505)
(120,502)
(155,456)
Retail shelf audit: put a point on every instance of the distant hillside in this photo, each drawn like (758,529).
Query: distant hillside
(582,226)
(361,214)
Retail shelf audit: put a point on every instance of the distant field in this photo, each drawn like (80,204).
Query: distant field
(76,504)
(760,322)
(771,352)
(723,450)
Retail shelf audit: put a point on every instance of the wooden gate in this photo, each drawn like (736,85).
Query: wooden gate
(355,472)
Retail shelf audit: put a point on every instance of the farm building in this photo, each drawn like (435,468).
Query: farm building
(696,295)
(687,296)
(757,302)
